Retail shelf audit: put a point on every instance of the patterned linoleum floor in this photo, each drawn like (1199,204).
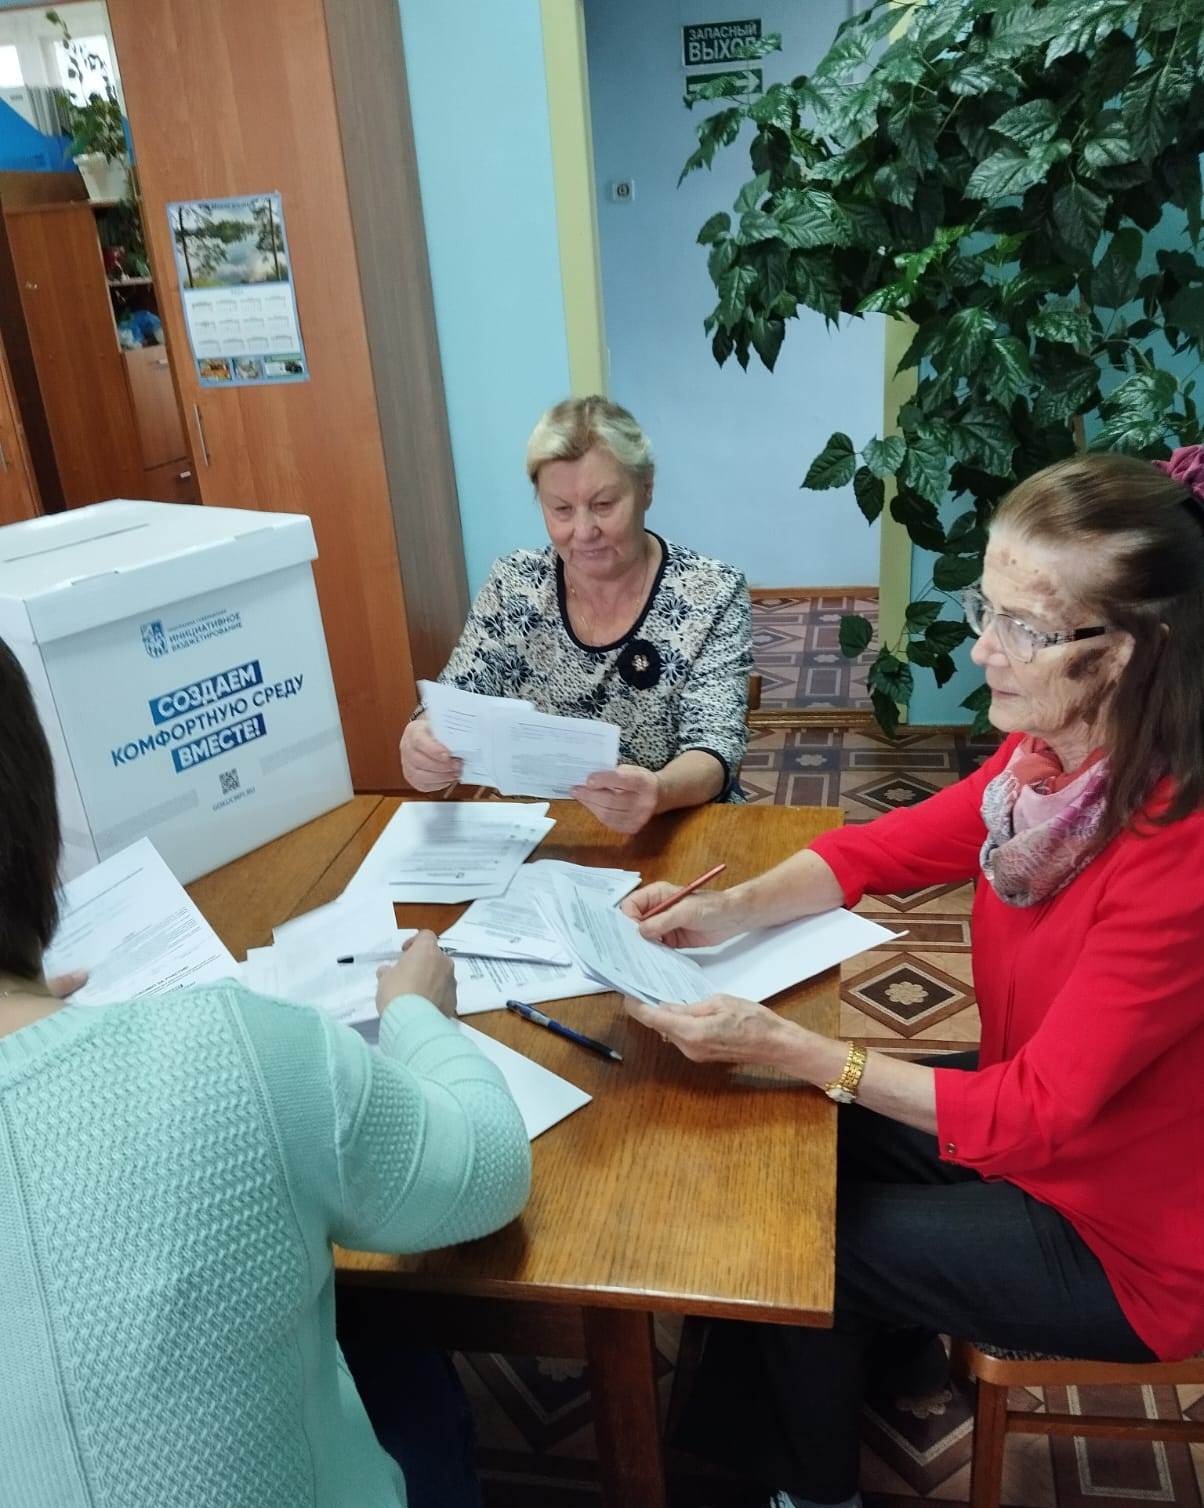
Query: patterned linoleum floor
(914,995)
(796,646)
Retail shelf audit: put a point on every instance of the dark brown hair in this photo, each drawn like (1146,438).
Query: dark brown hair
(1144,537)
(29,828)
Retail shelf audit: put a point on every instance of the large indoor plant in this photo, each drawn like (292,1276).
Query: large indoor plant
(1021,183)
(98,144)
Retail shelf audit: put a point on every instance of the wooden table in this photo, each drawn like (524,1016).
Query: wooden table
(682,1188)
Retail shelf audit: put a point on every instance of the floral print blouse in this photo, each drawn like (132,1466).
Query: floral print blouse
(677,680)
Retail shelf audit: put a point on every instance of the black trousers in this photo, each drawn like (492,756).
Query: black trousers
(921,1245)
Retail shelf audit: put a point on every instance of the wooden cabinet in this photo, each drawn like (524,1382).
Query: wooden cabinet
(156,412)
(309,100)
(18,491)
(102,420)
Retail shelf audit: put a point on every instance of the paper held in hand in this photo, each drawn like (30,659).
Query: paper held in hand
(130,924)
(507,744)
(755,965)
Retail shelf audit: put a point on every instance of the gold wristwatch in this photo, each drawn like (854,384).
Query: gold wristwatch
(844,1089)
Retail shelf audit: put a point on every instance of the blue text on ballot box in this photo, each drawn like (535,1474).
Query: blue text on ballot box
(180,669)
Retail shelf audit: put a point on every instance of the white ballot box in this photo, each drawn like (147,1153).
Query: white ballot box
(179,666)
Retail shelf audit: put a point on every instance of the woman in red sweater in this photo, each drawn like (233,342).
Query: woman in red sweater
(1050,1194)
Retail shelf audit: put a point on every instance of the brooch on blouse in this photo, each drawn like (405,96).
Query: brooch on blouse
(639,664)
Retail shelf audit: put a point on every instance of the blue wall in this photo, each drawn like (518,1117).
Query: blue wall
(732,447)
(479,99)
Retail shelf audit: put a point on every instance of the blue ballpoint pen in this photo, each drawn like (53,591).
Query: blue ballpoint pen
(529,1013)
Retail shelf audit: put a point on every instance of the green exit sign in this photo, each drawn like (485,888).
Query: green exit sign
(717,41)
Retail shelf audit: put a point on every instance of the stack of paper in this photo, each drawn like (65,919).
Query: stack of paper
(755,965)
(451,851)
(302,965)
(507,744)
(129,923)
(513,925)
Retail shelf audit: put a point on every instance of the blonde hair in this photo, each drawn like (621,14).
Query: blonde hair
(576,425)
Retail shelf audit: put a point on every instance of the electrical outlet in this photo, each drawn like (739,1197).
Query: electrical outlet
(622,190)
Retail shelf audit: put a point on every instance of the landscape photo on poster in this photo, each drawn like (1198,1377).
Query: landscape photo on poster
(236,286)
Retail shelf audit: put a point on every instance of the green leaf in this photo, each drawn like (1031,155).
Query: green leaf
(1114,280)
(756,225)
(722,346)
(855,634)
(891,676)
(1110,69)
(967,337)
(896,183)
(1186,312)
(1006,172)
(951,572)
(914,127)
(884,457)
(717,226)
(1021,29)
(767,339)
(920,614)
(775,108)
(813,279)
(1069,384)
(1130,432)
(1034,121)
(869,492)
(720,257)
(834,466)
(966,535)
(1008,369)
(984,437)
(1062,322)
(1109,147)
(1149,105)
(752,193)
(946,635)
(1079,215)
(979,702)
(982,77)
(1085,26)
(808,218)
(774,264)
(919,517)
(886,713)
(921,653)
(734,287)
(926,469)
(1148,393)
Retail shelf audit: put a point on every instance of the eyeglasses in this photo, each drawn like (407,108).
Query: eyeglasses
(1017,640)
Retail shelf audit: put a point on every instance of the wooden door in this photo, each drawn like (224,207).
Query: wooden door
(160,434)
(230,98)
(68,314)
(18,490)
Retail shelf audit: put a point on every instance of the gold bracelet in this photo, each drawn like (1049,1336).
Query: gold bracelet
(844,1089)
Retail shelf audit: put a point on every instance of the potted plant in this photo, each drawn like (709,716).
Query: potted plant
(97,129)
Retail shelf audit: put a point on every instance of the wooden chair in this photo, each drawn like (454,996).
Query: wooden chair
(996,1370)
(754,692)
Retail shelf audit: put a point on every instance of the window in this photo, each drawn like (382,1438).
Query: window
(96,63)
(10,67)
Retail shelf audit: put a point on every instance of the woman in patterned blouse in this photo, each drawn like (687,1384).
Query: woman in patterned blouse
(609,622)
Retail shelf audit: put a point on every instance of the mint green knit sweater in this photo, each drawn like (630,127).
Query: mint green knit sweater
(172,1173)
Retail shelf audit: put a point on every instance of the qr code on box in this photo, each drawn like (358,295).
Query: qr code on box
(229,781)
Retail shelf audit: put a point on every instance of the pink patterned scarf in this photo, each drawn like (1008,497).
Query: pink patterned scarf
(1027,862)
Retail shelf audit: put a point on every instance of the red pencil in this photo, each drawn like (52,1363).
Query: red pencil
(689,889)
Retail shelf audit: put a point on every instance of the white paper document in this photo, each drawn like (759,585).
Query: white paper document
(485,984)
(513,925)
(542,1097)
(130,923)
(756,965)
(510,745)
(608,945)
(450,851)
(306,953)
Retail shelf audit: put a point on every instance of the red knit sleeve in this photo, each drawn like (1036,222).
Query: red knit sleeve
(934,843)
(1136,994)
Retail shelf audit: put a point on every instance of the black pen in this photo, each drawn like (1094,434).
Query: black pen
(529,1013)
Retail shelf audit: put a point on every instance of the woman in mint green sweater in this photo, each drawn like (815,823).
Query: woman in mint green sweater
(172,1174)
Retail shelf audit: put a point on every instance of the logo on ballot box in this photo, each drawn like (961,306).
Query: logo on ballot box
(154,639)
